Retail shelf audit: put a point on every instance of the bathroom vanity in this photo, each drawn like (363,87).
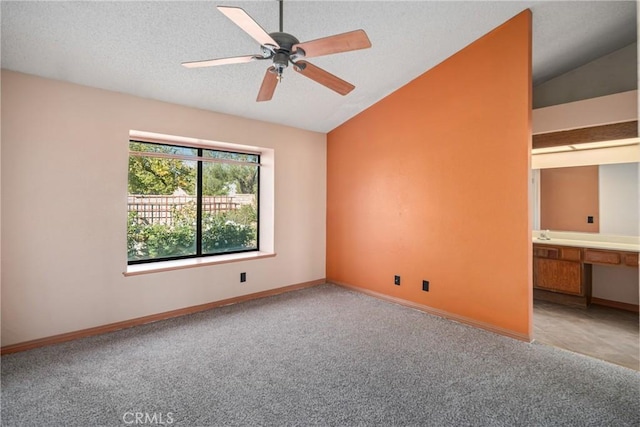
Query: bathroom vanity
(562,265)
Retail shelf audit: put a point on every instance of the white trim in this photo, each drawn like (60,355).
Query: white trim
(587,146)
(535,184)
(192,158)
(179,264)
(601,156)
(144,136)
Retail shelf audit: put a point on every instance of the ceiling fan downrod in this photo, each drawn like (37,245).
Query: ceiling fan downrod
(282,56)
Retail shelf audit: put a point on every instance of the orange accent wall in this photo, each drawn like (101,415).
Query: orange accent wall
(567,197)
(432,182)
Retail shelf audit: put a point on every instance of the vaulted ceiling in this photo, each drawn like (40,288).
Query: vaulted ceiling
(137,47)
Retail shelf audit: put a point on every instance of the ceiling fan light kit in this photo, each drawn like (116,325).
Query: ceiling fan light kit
(283,48)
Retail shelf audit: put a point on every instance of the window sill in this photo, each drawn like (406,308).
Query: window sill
(156,267)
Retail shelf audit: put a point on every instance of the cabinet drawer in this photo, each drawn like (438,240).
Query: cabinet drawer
(546,252)
(551,252)
(601,257)
(631,260)
(570,254)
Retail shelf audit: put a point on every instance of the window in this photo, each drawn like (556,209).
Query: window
(187,202)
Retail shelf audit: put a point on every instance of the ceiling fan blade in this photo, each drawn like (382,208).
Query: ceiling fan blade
(247,23)
(268,86)
(323,77)
(221,61)
(344,42)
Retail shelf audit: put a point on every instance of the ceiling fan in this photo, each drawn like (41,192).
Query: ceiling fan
(283,48)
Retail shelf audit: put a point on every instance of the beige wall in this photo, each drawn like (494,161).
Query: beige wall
(64,179)
(620,107)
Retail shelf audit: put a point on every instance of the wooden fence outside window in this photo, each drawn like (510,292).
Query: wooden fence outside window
(152,209)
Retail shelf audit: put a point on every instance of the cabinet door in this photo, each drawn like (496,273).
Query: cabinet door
(558,276)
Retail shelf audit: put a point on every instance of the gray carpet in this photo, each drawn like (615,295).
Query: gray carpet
(319,356)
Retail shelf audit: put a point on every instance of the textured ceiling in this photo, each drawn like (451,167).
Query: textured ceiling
(137,47)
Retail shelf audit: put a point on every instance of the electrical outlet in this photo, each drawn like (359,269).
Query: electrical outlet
(396,280)
(243,277)
(590,219)
(425,285)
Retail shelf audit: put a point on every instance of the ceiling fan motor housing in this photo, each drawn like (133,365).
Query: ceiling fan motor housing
(286,42)
(280,61)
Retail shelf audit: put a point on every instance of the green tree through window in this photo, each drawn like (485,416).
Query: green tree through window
(189,202)
(156,175)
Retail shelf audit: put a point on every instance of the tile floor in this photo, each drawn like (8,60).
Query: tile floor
(601,332)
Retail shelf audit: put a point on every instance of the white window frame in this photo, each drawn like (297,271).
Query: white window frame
(266,211)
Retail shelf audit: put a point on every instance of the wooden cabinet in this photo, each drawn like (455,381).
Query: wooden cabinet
(558,276)
(558,269)
(563,274)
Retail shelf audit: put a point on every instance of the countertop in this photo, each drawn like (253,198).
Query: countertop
(590,240)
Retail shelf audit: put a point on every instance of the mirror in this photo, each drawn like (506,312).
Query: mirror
(593,198)
(569,199)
